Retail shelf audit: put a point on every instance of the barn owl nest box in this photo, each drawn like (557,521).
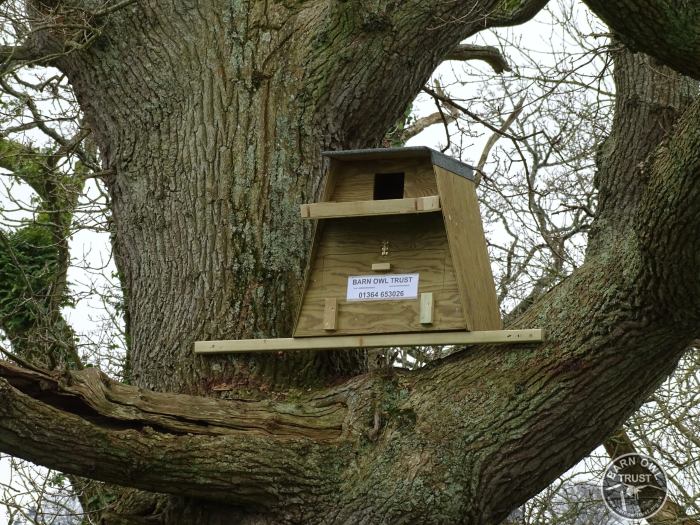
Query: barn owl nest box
(399,248)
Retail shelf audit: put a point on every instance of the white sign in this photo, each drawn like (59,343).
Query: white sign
(382,287)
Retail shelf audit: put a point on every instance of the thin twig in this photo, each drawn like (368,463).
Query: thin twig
(480,120)
(494,138)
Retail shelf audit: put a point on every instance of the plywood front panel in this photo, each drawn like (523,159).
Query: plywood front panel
(431,266)
(348,247)
(354,181)
(422,232)
(421,183)
(379,317)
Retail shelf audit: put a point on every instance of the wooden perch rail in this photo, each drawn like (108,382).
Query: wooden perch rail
(331,210)
(370,341)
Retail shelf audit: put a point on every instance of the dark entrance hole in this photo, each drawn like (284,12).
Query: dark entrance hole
(388,186)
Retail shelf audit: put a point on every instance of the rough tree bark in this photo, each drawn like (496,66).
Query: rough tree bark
(210,117)
(665,29)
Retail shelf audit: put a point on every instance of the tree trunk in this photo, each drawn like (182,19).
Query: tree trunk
(209,128)
(210,117)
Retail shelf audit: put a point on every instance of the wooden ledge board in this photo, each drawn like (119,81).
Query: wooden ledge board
(331,210)
(370,341)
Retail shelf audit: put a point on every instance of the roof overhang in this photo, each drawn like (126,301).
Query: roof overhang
(413,152)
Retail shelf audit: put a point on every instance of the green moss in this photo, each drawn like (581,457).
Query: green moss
(25,164)
(391,405)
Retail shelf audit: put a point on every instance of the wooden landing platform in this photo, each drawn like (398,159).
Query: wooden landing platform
(370,341)
(331,210)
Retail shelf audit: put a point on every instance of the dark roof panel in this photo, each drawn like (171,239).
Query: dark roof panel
(413,152)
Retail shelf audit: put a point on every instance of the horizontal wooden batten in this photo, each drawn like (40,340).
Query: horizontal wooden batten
(381,267)
(370,341)
(332,210)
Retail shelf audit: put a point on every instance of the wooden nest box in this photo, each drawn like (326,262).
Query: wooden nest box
(399,248)
(399,259)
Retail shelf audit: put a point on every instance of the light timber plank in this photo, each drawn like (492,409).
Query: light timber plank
(329,210)
(465,235)
(370,341)
(381,267)
(330,314)
(429,203)
(426,308)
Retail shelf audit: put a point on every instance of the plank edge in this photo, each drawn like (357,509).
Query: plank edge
(532,335)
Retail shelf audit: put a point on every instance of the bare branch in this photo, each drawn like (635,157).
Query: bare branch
(434,118)
(421,124)
(477,118)
(23,53)
(489,54)
(507,123)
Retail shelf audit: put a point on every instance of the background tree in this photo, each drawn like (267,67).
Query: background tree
(209,119)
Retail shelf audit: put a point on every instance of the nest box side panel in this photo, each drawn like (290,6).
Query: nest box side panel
(309,270)
(326,191)
(465,234)
(355,180)
(353,247)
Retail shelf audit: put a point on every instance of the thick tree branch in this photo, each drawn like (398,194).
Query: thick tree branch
(429,32)
(92,395)
(672,253)
(668,31)
(157,460)
(514,13)
(643,111)
(109,9)
(82,423)
(489,54)
(23,53)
